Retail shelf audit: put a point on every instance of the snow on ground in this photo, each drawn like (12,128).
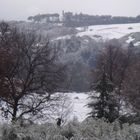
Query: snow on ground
(63,37)
(107,32)
(79,102)
(137,43)
(104,32)
(70,105)
(130,39)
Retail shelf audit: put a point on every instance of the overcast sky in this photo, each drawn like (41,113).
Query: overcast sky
(21,9)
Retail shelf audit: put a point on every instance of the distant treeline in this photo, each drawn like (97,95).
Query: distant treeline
(70,19)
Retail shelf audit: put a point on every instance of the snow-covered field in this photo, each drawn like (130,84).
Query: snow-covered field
(79,102)
(70,106)
(104,32)
(67,107)
(107,32)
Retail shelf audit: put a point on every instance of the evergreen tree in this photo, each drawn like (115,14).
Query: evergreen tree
(104,104)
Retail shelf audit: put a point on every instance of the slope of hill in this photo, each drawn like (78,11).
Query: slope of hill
(107,32)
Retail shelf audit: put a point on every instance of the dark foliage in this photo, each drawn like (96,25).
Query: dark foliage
(104,105)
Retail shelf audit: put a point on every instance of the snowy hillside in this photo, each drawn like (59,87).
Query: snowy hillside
(102,33)
(107,32)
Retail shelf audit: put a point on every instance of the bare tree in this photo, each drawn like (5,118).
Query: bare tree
(131,87)
(28,67)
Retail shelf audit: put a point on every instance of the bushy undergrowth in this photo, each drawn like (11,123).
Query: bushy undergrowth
(89,129)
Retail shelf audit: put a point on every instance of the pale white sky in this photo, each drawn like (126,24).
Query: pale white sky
(21,9)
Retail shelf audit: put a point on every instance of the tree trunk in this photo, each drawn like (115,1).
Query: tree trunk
(14,115)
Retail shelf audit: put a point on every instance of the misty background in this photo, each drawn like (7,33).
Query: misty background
(21,9)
